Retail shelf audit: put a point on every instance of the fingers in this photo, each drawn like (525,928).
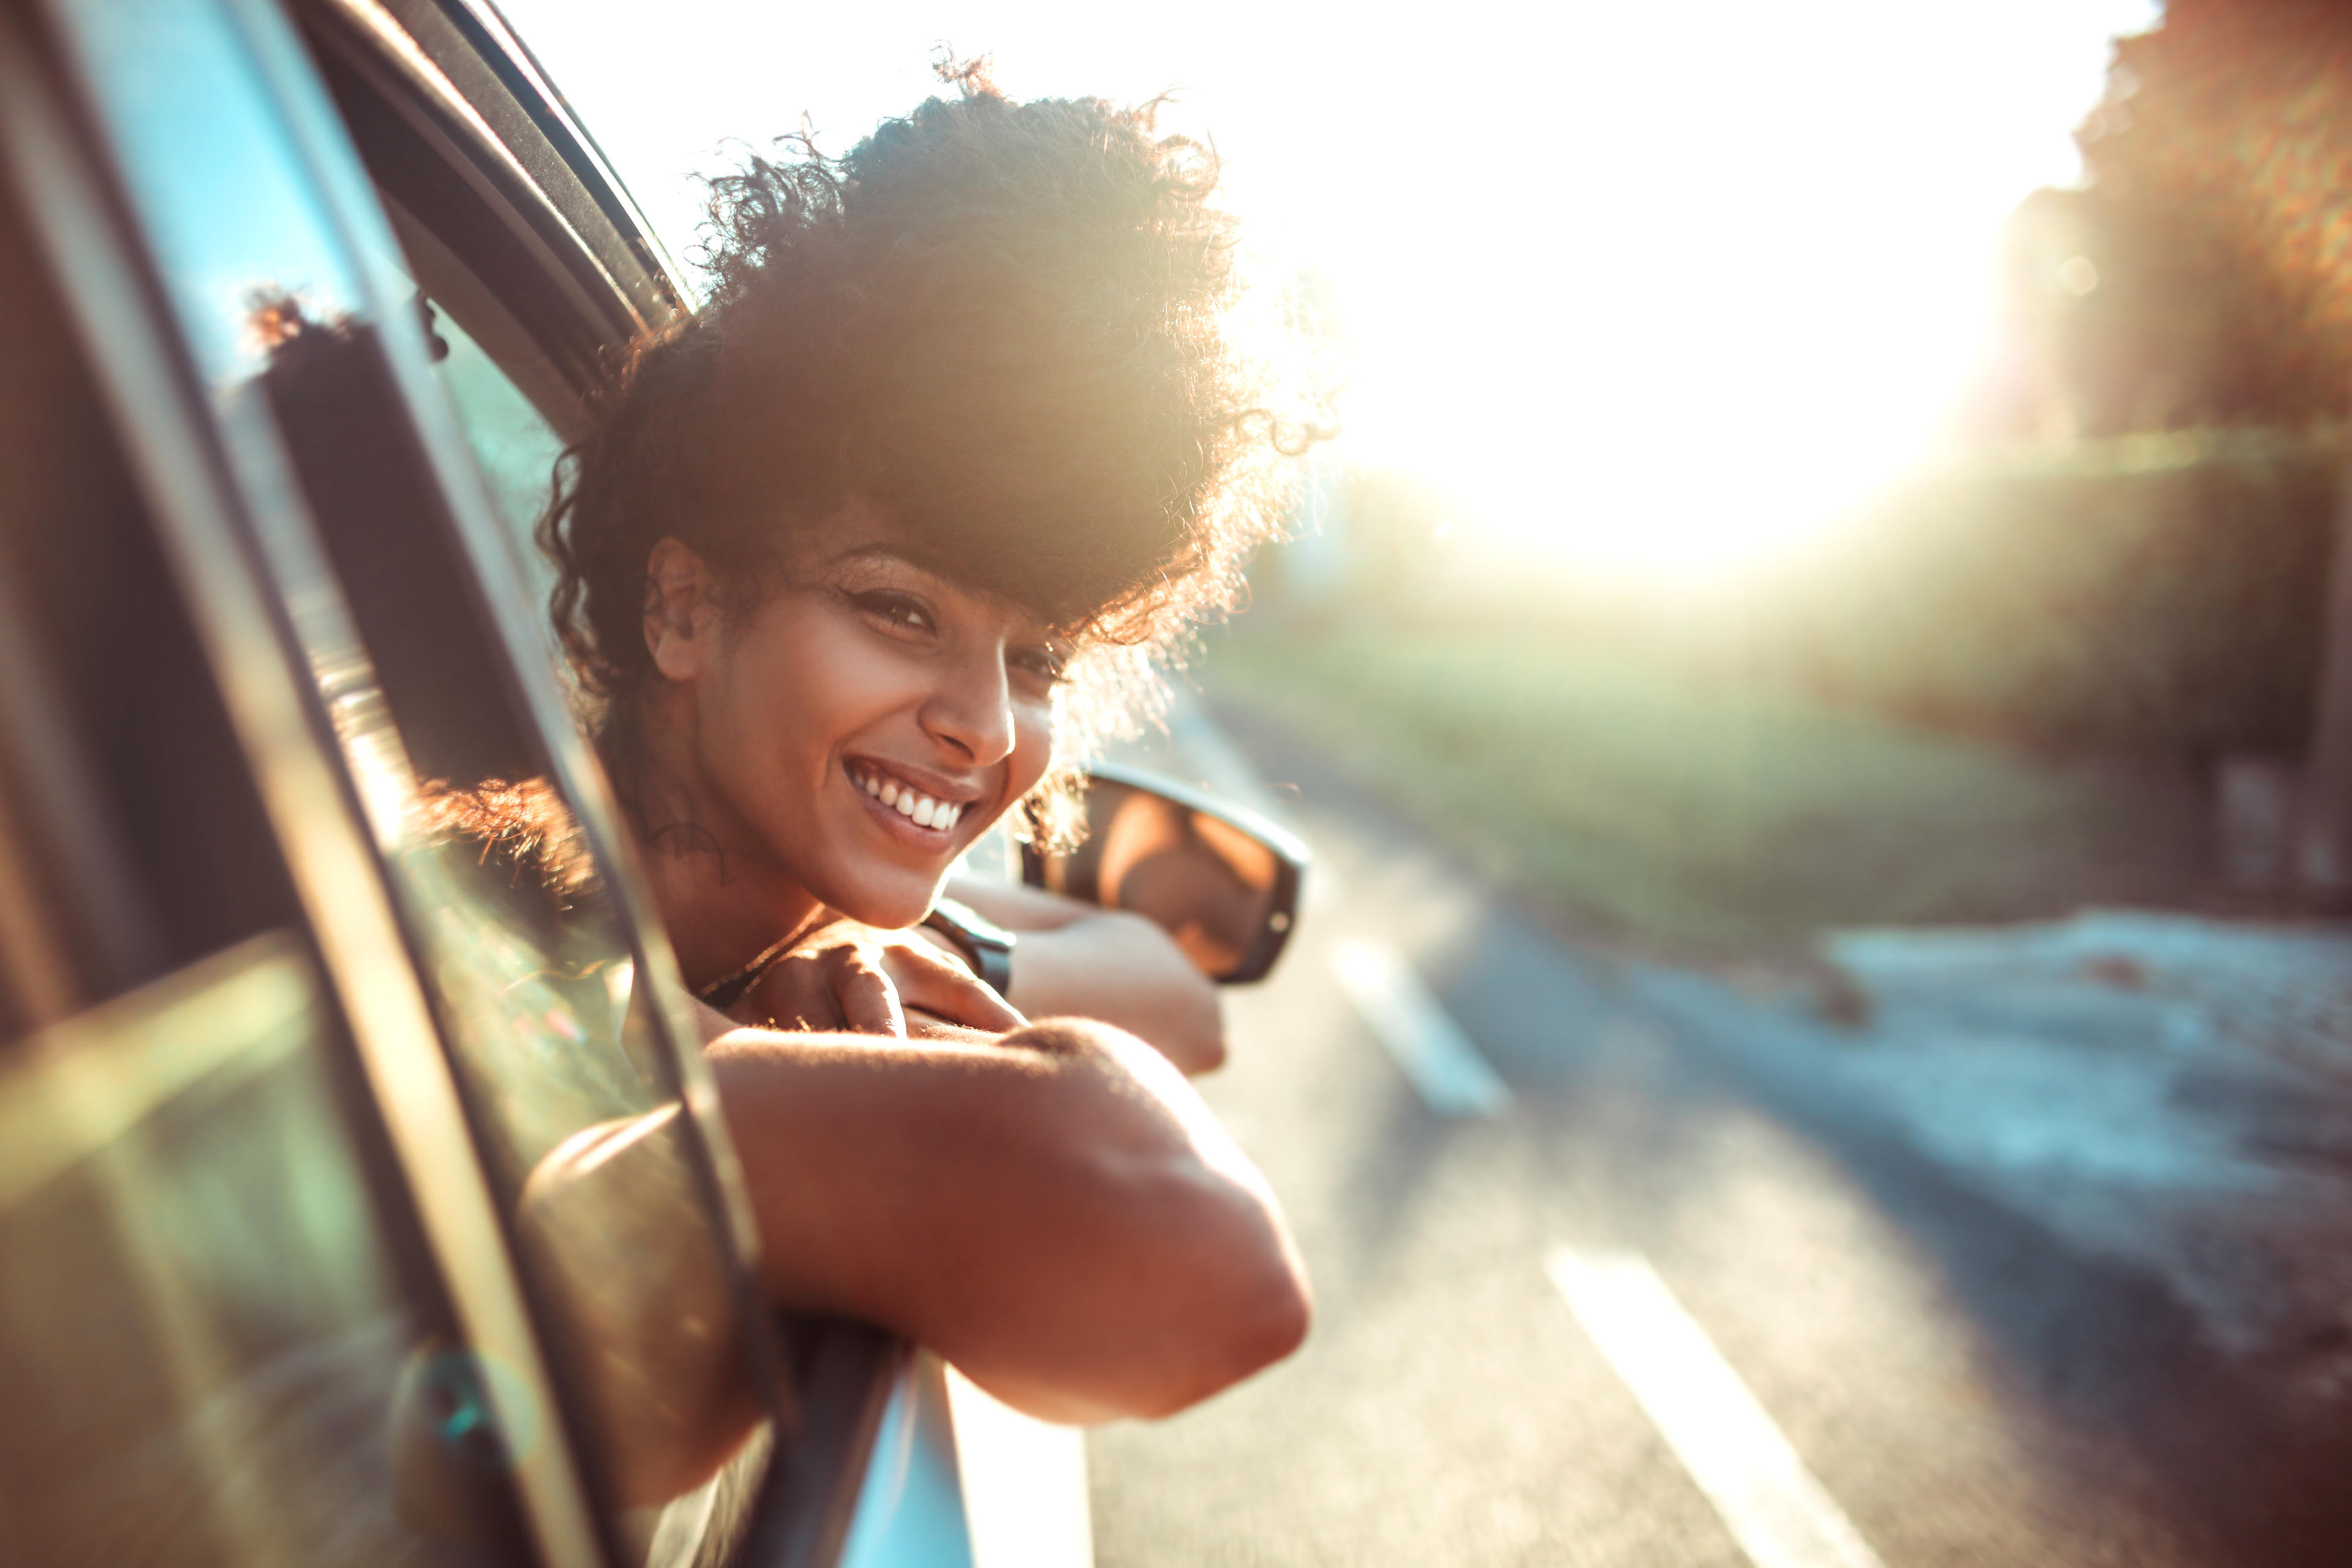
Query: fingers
(794,993)
(868,1001)
(937,983)
(922,1025)
(867,986)
(843,986)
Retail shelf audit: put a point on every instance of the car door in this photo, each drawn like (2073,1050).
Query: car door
(255,383)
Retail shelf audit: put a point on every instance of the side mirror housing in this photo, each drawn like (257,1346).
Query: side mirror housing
(1223,882)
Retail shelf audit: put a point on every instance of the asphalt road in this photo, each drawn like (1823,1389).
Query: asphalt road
(2003,1309)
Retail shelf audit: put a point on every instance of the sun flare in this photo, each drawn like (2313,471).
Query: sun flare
(1657,289)
(1763,278)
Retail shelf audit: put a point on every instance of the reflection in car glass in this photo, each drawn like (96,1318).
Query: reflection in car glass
(558,1053)
(202,1343)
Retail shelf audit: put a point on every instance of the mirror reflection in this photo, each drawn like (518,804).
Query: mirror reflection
(1223,890)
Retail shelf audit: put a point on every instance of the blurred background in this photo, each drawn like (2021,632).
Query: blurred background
(1761,416)
(1808,675)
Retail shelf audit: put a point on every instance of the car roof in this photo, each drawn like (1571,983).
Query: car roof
(459,74)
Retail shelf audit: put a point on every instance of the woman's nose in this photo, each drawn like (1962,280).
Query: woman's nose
(971,709)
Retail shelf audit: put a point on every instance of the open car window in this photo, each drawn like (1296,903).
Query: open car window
(440,132)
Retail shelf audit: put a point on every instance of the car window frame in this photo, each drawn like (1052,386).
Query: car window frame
(145,881)
(178,446)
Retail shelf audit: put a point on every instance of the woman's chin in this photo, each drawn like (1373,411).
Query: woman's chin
(893,907)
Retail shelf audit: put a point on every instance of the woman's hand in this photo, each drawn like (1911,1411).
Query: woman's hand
(850,976)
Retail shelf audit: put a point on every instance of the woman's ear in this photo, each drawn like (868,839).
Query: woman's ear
(679,610)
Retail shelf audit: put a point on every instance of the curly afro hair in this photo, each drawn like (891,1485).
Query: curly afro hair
(1010,324)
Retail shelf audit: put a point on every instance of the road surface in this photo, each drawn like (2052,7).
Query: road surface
(2032,1262)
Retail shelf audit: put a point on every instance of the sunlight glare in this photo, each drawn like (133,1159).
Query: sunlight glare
(1651,289)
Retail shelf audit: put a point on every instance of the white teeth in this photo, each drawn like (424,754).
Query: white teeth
(909,801)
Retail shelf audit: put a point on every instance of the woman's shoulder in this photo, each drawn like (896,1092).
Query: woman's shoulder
(524,828)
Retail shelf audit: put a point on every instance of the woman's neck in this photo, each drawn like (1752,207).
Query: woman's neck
(724,899)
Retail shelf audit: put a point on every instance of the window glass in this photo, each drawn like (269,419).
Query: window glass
(603,1186)
(577,1100)
(202,1349)
(221,1338)
(180,82)
(512,443)
(575,1103)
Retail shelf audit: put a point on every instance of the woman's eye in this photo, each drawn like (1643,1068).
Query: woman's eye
(1043,663)
(898,611)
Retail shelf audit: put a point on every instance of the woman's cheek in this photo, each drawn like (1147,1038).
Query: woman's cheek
(843,680)
(1033,748)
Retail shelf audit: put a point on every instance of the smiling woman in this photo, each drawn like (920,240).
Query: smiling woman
(961,439)
(962,430)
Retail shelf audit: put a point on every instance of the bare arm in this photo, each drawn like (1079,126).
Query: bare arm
(1077,960)
(1056,1213)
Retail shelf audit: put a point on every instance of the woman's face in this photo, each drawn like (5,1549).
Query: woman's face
(869,720)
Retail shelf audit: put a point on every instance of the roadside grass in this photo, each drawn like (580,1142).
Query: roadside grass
(1700,816)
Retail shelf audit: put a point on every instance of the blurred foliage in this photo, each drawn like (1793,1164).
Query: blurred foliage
(1708,816)
(2206,271)
(2155,594)
(1991,693)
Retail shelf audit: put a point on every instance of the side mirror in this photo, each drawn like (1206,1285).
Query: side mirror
(1223,882)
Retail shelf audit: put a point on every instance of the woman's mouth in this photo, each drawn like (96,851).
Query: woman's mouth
(912,807)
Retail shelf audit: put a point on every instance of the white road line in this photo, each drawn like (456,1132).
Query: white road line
(1779,1513)
(1453,1079)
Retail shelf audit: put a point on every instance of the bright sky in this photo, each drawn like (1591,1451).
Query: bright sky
(1650,286)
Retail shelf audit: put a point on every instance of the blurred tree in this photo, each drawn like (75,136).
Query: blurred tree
(2225,138)
(2203,274)
(2116,316)
(2220,200)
